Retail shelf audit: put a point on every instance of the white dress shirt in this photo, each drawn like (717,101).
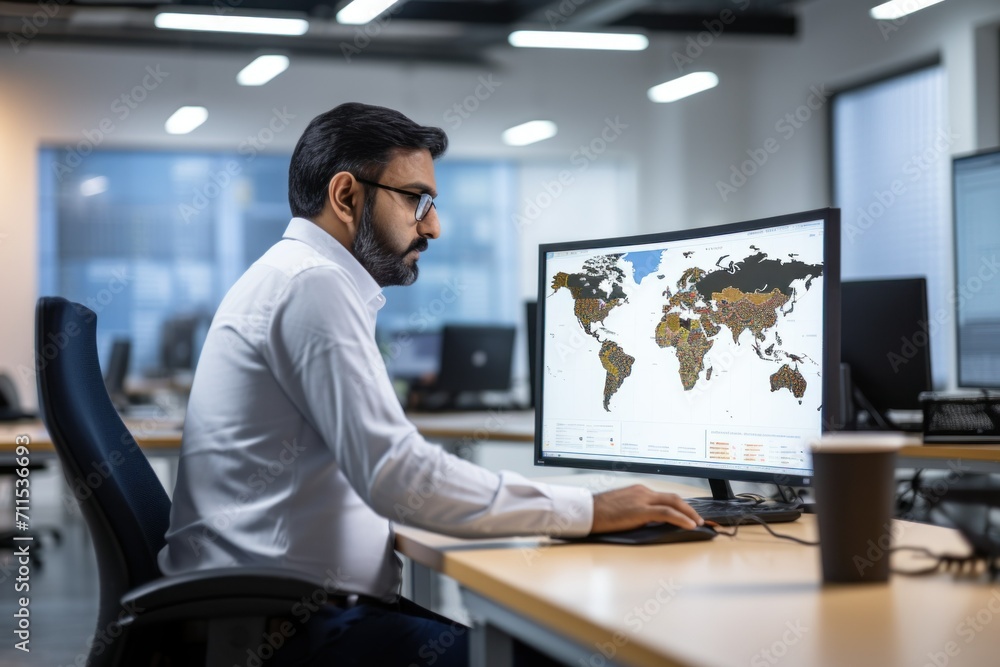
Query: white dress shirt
(296,452)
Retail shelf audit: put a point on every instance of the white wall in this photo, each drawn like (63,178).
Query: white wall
(840,47)
(762,80)
(678,151)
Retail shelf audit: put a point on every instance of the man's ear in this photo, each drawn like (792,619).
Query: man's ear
(346,199)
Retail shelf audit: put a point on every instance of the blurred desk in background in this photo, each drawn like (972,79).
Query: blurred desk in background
(499,425)
(156,437)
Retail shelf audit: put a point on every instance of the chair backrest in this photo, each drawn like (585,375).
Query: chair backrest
(126,508)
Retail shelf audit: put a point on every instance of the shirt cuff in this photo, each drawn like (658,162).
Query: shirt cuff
(574,510)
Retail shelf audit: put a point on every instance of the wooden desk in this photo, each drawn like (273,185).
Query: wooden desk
(498,425)
(964,457)
(162,435)
(750,600)
(155,437)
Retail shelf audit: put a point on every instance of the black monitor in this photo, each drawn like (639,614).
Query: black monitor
(181,339)
(885,342)
(117,369)
(475,358)
(707,353)
(976,191)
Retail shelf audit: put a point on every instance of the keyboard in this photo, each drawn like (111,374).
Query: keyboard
(731,513)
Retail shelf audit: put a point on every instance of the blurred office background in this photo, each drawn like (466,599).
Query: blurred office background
(817,104)
(101,204)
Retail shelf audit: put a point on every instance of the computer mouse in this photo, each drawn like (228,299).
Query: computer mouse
(652,533)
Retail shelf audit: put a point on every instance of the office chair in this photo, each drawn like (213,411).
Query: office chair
(144,618)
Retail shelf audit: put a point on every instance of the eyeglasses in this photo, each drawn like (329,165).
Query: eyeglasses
(423,206)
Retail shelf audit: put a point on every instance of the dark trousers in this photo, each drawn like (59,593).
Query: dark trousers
(373,634)
(388,635)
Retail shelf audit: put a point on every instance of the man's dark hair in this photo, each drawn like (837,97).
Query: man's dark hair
(353,137)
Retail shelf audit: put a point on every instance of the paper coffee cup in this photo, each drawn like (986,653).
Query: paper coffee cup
(853,476)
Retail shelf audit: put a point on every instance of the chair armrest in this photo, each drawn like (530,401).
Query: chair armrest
(223,592)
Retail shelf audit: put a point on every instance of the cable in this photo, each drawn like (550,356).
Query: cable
(951,562)
(904,505)
(958,564)
(907,499)
(767,527)
(781,492)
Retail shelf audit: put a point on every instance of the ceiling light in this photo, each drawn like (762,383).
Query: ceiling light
(186,119)
(679,88)
(262,70)
(549,39)
(258,25)
(529,133)
(360,12)
(94,186)
(899,8)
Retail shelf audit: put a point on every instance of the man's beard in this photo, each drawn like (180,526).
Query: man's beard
(374,251)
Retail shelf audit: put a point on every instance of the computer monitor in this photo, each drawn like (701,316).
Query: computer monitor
(976,192)
(885,341)
(410,355)
(475,358)
(117,370)
(703,352)
(181,340)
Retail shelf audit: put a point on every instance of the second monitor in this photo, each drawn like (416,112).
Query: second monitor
(885,342)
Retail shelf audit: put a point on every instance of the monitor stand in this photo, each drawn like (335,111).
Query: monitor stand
(856,401)
(727,509)
(881,420)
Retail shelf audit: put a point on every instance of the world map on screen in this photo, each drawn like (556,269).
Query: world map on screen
(743,297)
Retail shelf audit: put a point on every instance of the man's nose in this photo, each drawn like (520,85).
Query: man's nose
(430,226)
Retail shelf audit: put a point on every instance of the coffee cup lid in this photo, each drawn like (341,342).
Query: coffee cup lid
(859,442)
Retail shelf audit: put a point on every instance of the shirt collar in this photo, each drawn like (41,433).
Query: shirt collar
(315,237)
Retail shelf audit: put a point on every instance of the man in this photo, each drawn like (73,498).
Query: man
(296,453)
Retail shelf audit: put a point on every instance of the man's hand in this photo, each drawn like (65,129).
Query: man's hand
(636,506)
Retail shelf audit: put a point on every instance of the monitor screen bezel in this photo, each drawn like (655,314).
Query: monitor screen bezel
(831,415)
(955,162)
